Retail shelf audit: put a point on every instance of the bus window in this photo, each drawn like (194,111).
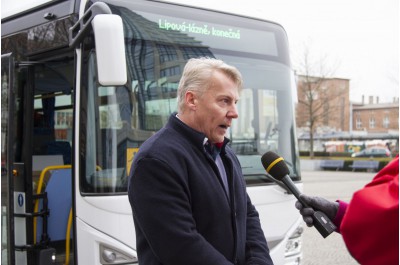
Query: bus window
(111,132)
(53,117)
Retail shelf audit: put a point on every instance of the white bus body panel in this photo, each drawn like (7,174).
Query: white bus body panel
(278,215)
(108,220)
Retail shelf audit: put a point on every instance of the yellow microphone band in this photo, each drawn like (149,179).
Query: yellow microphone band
(274,163)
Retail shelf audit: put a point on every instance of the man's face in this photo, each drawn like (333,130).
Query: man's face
(216,108)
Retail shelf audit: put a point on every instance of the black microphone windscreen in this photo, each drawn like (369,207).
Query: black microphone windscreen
(274,165)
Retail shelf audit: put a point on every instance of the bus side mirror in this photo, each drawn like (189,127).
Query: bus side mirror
(110,49)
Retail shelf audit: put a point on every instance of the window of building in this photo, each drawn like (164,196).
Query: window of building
(326,114)
(190,52)
(386,122)
(170,71)
(167,53)
(358,123)
(371,122)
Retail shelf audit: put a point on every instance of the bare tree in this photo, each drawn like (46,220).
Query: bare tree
(322,99)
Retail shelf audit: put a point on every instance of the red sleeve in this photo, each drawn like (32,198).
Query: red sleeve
(340,214)
(370,227)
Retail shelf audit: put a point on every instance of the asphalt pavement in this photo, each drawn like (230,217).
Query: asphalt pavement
(331,185)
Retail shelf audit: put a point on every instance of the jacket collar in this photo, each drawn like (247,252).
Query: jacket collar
(195,137)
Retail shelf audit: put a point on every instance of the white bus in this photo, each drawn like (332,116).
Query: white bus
(84,84)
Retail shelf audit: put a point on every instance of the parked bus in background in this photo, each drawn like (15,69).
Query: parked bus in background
(84,84)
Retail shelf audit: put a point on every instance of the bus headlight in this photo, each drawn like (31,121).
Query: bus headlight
(293,245)
(110,255)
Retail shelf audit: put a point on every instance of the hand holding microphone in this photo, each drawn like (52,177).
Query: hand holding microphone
(276,167)
(317,203)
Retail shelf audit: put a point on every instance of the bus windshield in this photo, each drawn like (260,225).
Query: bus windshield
(159,40)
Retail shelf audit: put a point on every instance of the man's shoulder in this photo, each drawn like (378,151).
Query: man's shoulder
(160,141)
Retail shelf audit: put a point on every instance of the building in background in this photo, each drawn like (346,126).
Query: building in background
(341,125)
(376,117)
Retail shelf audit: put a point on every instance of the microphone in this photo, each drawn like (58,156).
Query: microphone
(276,167)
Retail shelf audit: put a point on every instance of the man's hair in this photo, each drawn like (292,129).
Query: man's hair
(197,76)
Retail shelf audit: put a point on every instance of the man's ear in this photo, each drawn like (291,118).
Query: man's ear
(191,100)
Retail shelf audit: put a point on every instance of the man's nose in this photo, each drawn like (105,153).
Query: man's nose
(233,112)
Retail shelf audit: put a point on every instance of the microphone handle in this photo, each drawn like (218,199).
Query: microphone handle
(321,222)
(293,189)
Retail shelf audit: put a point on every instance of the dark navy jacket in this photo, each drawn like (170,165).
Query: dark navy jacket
(181,212)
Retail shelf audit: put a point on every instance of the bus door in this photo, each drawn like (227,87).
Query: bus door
(14,165)
(36,157)
(52,179)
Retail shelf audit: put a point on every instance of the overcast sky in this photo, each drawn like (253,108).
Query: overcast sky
(360,38)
